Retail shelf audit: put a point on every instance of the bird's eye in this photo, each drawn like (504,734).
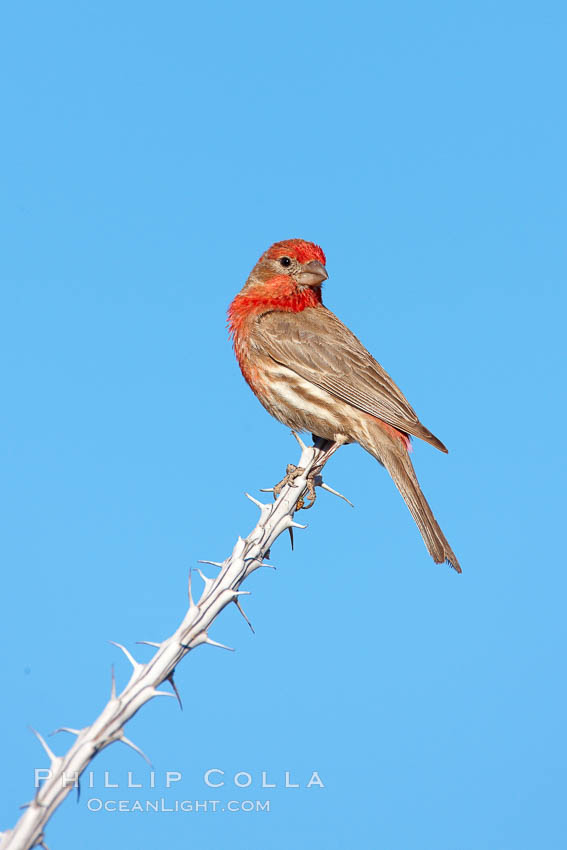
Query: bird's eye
(285,261)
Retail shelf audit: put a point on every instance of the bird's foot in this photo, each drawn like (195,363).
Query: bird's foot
(291,473)
(313,480)
(325,449)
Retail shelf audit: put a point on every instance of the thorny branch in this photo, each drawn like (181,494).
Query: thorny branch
(248,555)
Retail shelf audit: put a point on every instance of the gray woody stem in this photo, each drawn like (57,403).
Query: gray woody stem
(248,555)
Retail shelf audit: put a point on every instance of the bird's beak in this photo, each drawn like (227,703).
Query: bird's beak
(312,274)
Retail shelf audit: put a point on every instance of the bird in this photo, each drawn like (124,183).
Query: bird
(313,374)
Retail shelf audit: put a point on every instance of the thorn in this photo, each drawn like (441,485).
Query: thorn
(112,683)
(261,564)
(174,686)
(65,729)
(239,547)
(131,744)
(266,489)
(238,605)
(299,440)
(208,581)
(199,638)
(149,643)
(41,843)
(156,693)
(326,487)
(291,537)
(258,504)
(135,664)
(213,563)
(41,739)
(230,595)
(216,643)
(294,524)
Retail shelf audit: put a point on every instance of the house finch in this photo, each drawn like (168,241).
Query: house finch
(312,373)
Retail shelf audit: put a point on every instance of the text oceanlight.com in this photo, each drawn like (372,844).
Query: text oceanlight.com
(95,804)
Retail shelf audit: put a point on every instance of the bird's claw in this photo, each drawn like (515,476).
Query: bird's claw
(312,482)
(314,479)
(291,473)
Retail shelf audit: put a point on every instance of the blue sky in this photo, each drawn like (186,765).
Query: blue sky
(149,155)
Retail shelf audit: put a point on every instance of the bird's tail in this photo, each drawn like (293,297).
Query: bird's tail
(397,462)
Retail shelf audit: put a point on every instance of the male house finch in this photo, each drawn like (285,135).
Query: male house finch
(313,374)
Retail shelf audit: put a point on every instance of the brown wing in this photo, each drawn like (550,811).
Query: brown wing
(317,346)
